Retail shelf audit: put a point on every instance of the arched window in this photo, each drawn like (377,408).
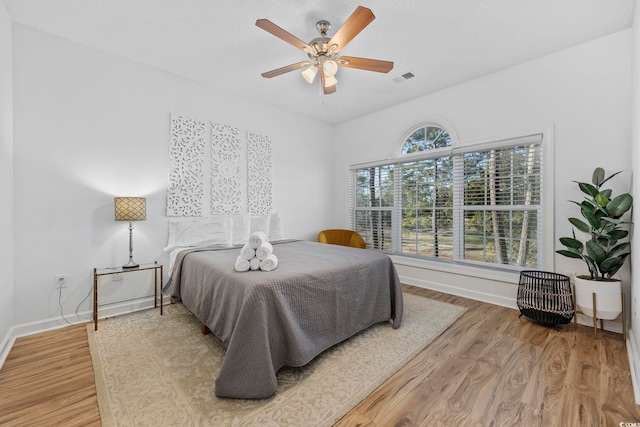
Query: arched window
(426,138)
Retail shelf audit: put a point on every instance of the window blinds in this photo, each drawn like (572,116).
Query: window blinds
(501,204)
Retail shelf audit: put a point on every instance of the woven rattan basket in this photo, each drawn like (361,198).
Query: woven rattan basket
(545,297)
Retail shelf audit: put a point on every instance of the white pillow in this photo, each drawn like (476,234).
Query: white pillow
(208,231)
(244,225)
(241,229)
(275,227)
(261,223)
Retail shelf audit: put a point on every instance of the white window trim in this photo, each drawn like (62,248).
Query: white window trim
(545,250)
(439,123)
(466,269)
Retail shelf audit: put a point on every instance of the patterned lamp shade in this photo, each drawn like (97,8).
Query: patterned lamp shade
(130,208)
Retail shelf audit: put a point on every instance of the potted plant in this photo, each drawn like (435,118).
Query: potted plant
(602,251)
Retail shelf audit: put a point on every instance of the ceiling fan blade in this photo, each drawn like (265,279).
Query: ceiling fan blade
(272,28)
(365,64)
(358,20)
(327,90)
(292,67)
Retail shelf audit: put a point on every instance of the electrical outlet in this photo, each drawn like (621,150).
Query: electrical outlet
(116,277)
(61,281)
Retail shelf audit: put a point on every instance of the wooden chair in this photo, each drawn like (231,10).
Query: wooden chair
(342,237)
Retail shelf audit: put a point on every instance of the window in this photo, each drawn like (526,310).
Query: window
(479,204)
(375,202)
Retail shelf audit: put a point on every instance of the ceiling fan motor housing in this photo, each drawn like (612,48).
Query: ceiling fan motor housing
(320,45)
(323,27)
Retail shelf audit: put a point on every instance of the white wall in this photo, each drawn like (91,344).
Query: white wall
(6,178)
(583,93)
(634,333)
(89,126)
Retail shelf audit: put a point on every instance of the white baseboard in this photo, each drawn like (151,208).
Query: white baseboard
(5,346)
(494,299)
(634,364)
(58,322)
(608,325)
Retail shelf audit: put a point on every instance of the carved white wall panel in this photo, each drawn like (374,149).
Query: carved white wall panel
(225,169)
(259,174)
(186,167)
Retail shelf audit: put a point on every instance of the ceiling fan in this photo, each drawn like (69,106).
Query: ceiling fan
(323,51)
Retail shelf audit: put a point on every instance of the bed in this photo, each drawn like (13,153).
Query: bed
(318,296)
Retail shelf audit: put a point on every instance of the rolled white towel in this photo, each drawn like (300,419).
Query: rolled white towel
(254,264)
(247,252)
(264,250)
(269,263)
(242,264)
(256,239)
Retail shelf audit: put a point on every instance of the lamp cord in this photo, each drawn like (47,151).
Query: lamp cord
(60,304)
(77,307)
(83,300)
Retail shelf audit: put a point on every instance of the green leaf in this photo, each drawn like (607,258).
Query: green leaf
(596,252)
(588,204)
(591,217)
(575,251)
(609,177)
(618,234)
(598,177)
(588,189)
(600,213)
(615,270)
(613,221)
(606,193)
(607,229)
(611,264)
(602,200)
(619,205)
(617,249)
(571,243)
(568,254)
(580,225)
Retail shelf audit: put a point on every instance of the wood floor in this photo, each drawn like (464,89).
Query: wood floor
(47,380)
(490,368)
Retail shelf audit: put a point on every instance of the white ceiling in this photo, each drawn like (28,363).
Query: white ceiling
(216,42)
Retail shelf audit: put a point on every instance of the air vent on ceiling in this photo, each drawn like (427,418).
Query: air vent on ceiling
(404,77)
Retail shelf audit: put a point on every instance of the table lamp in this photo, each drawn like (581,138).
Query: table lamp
(130,209)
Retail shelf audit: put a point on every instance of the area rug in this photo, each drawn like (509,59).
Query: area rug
(154,370)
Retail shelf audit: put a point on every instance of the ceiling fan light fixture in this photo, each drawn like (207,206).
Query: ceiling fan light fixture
(330,67)
(309,73)
(330,81)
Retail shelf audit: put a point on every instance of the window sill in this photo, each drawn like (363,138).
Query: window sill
(459,269)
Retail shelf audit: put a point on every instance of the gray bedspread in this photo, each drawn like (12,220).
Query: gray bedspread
(318,296)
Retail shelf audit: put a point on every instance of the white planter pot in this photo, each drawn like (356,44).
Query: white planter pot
(608,298)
